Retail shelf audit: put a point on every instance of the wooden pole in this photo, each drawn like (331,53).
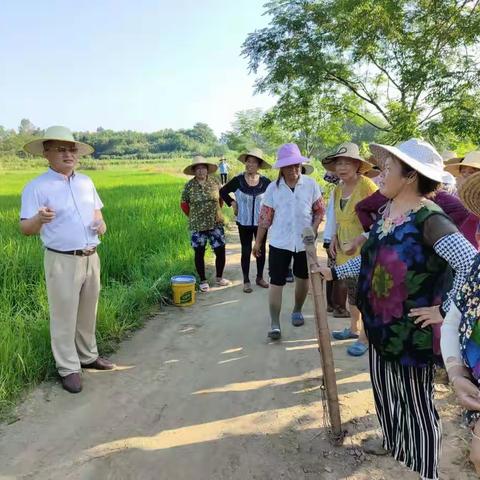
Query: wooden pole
(323,336)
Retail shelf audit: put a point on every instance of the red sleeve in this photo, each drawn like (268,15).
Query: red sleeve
(265,219)
(185,207)
(367,209)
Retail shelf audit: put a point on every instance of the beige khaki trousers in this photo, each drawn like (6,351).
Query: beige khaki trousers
(73,287)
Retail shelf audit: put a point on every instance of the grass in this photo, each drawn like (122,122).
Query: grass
(147,242)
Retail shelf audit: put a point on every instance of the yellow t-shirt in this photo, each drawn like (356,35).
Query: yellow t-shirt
(348,224)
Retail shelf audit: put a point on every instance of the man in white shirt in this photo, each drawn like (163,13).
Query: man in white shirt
(64,208)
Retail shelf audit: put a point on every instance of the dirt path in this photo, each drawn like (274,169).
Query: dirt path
(201,394)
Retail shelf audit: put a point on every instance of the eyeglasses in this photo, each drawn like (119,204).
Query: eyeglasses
(63,149)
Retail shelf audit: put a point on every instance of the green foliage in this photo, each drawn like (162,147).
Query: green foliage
(407,63)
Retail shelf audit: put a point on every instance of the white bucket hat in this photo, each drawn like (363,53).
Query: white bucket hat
(61,134)
(418,154)
(199,160)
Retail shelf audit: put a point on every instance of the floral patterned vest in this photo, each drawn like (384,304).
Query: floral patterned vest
(399,272)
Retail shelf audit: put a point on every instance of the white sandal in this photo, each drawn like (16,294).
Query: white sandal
(222,282)
(204,287)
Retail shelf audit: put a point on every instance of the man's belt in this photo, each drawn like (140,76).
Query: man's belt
(86,252)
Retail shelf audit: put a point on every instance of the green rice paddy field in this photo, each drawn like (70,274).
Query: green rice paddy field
(147,242)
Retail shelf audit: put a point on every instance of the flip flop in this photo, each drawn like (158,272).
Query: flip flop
(275,334)
(247,288)
(297,319)
(204,287)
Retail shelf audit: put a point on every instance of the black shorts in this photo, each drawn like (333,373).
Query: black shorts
(279,262)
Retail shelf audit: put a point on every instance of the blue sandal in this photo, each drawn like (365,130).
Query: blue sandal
(297,319)
(357,349)
(345,334)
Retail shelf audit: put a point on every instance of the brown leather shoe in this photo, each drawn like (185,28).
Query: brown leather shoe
(261,283)
(72,383)
(100,364)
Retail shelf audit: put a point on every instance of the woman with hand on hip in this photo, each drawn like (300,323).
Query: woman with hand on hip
(405,289)
(249,189)
(291,204)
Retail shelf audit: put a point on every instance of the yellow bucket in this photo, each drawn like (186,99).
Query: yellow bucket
(183,287)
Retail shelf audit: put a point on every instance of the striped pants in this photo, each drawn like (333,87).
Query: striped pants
(409,420)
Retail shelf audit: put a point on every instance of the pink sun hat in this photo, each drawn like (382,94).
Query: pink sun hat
(289,154)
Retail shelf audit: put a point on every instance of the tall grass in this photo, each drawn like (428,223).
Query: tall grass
(147,242)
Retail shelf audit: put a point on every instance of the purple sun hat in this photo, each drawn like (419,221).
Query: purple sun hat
(289,154)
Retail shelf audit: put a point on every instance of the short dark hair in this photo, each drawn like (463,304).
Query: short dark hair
(426,186)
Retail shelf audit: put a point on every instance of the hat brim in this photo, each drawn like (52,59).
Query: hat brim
(287,161)
(469,193)
(35,147)
(308,169)
(382,152)
(329,163)
(454,168)
(211,168)
(263,164)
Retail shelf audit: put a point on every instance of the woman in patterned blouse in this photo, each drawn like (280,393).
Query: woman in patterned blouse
(411,266)
(201,203)
(249,188)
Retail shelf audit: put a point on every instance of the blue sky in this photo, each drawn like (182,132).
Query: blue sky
(126,64)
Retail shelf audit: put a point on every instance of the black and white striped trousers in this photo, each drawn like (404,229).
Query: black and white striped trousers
(410,423)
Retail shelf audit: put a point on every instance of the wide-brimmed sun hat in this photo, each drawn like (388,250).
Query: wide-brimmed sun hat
(289,154)
(449,157)
(61,134)
(258,154)
(199,160)
(471,159)
(469,193)
(307,169)
(418,154)
(347,150)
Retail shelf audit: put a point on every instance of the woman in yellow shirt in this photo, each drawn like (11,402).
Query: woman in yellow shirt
(349,166)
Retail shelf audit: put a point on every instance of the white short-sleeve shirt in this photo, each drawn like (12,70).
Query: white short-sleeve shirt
(74,200)
(293,212)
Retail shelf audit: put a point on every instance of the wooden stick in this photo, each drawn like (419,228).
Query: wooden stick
(323,336)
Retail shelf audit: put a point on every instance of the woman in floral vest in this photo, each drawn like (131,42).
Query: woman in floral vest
(410,268)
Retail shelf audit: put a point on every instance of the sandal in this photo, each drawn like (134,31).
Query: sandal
(247,288)
(341,313)
(204,287)
(345,334)
(297,319)
(261,282)
(357,349)
(275,334)
(222,282)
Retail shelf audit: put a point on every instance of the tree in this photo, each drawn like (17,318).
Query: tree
(26,127)
(409,63)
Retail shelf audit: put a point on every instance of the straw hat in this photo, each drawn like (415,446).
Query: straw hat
(258,154)
(471,159)
(307,169)
(347,150)
(418,154)
(61,134)
(470,193)
(199,160)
